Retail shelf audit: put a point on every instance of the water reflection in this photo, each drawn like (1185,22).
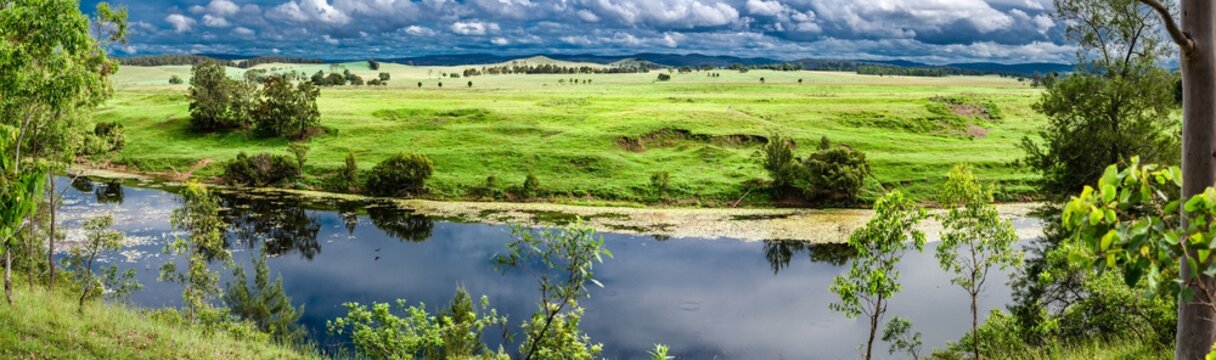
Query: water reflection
(402,224)
(779,253)
(282,223)
(707,298)
(110,193)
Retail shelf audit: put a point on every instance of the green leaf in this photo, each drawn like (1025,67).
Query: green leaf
(1095,216)
(1107,240)
(1108,193)
(1109,178)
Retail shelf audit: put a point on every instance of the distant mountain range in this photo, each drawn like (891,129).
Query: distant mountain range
(698,60)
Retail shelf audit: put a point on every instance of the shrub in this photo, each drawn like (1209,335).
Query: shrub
(835,174)
(300,151)
(664,77)
(350,173)
(175,80)
(531,186)
(400,175)
(660,182)
(779,162)
(259,170)
(112,134)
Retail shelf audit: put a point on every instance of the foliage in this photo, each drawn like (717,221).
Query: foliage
(199,218)
(287,111)
(975,238)
(531,187)
(899,334)
(350,172)
(176,80)
(260,170)
(664,77)
(835,174)
(872,279)
(300,151)
(780,164)
(1115,106)
(111,134)
(660,353)
(400,175)
(19,194)
(661,183)
(216,101)
(415,334)
(563,265)
(82,257)
(265,303)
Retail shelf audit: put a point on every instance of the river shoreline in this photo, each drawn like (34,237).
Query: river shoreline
(747,224)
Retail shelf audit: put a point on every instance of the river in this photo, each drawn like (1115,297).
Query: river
(706,298)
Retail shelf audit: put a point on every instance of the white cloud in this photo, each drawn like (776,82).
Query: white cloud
(180,22)
(329,40)
(319,11)
(765,7)
(500,41)
(905,18)
(419,30)
(222,8)
(215,21)
(243,31)
(474,28)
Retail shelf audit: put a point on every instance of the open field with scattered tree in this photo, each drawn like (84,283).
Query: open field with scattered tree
(604,136)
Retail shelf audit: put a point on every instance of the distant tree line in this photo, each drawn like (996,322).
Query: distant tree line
(245,64)
(556,69)
(168,60)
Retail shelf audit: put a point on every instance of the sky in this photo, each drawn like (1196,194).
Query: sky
(931,31)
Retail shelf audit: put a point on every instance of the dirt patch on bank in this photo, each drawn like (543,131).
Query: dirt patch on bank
(668,137)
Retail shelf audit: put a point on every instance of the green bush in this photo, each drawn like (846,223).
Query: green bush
(531,186)
(287,111)
(660,182)
(400,175)
(260,170)
(112,133)
(664,77)
(836,174)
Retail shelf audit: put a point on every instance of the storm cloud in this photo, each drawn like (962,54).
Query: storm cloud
(934,31)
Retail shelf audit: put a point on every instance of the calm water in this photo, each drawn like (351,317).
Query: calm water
(706,298)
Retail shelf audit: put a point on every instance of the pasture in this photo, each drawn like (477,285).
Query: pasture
(600,141)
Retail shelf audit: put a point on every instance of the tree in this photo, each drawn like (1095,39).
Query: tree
(264,303)
(350,173)
(470,84)
(664,77)
(902,339)
(287,111)
(1196,40)
(384,77)
(199,218)
(175,80)
(373,65)
(335,79)
(835,174)
(866,289)
(563,265)
(214,99)
(19,193)
(780,164)
(378,333)
(54,71)
(400,175)
(81,259)
(974,240)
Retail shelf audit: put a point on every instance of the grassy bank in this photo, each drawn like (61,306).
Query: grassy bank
(45,325)
(603,140)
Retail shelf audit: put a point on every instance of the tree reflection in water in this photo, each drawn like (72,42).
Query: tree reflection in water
(400,223)
(779,253)
(282,223)
(110,193)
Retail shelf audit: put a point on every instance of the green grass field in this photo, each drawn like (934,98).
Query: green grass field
(583,140)
(45,325)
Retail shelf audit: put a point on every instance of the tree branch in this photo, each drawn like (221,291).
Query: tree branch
(1171,26)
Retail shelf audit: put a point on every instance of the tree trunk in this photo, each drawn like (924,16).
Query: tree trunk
(1196,330)
(975,334)
(873,331)
(50,252)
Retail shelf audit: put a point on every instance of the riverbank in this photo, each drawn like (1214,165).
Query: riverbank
(43,324)
(811,225)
